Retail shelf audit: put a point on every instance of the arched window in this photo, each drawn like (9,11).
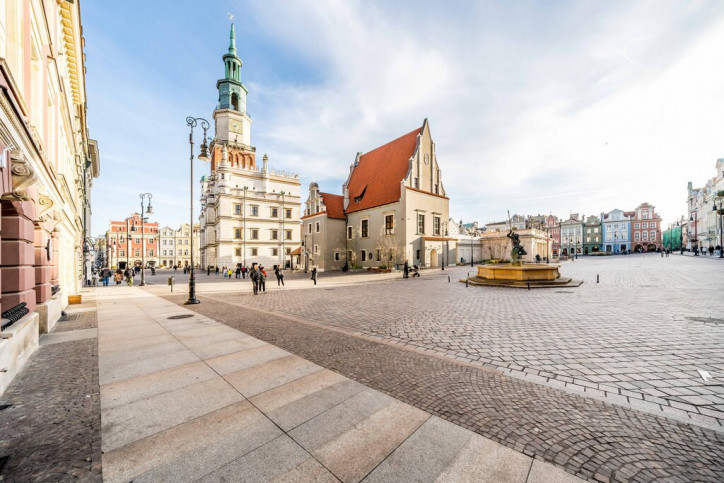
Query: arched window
(235,101)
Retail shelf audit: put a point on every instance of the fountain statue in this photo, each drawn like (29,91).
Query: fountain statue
(518,251)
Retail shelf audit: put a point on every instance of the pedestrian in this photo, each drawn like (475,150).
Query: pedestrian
(129,276)
(537,258)
(262,279)
(238,271)
(118,276)
(230,272)
(254,276)
(208,270)
(106,276)
(406,270)
(217,270)
(314,274)
(280,276)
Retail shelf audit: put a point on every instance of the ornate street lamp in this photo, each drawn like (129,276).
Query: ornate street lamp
(149,210)
(203,156)
(283,234)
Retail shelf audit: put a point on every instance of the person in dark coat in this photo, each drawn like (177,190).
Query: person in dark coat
(262,279)
(254,275)
(280,276)
(406,270)
(314,274)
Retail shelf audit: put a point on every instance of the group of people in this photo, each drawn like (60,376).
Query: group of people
(118,276)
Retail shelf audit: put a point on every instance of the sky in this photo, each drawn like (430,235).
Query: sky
(534,107)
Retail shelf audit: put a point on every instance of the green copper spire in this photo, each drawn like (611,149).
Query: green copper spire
(232,41)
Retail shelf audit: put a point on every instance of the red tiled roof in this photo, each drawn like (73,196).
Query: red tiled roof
(378,175)
(334,204)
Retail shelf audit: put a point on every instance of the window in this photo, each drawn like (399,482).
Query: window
(365,228)
(179,253)
(288,251)
(186,253)
(150,253)
(254,252)
(170,242)
(645,235)
(643,225)
(653,235)
(316,227)
(287,213)
(238,252)
(389,225)
(417,183)
(237,209)
(316,248)
(254,233)
(645,215)
(275,212)
(417,254)
(275,252)
(254,210)
(336,257)
(288,234)
(379,254)
(122,253)
(137,240)
(136,253)
(637,226)
(309,230)
(237,232)
(435,225)
(275,234)
(349,233)
(186,242)
(420,224)
(364,255)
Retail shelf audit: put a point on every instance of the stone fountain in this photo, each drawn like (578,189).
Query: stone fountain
(519,274)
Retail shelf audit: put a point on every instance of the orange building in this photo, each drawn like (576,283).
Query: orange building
(126,239)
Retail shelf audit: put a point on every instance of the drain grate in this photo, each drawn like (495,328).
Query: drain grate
(563,291)
(182,316)
(706,320)
(69,317)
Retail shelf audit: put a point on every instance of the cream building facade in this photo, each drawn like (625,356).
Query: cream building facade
(175,246)
(47,164)
(395,207)
(324,243)
(249,213)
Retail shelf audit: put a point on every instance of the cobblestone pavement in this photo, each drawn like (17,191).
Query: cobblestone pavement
(51,430)
(637,338)
(586,437)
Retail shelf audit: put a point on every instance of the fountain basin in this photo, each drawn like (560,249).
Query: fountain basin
(520,273)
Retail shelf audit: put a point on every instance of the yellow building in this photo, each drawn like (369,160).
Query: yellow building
(47,163)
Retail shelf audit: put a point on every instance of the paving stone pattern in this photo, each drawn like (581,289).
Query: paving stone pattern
(51,431)
(638,337)
(586,437)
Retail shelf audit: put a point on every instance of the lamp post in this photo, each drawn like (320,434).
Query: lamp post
(283,233)
(149,210)
(472,248)
(718,211)
(192,122)
(445,235)
(243,227)
(695,247)
(128,242)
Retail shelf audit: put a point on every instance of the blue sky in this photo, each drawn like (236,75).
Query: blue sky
(535,107)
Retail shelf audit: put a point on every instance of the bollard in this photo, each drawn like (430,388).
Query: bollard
(170,282)
(448,279)
(466,283)
(596,278)
(528,285)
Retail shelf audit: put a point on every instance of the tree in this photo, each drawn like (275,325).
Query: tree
(389,246)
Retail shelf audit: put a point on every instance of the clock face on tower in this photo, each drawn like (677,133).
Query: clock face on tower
(235,126)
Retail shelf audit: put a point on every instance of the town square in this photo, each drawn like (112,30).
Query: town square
(469,243)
